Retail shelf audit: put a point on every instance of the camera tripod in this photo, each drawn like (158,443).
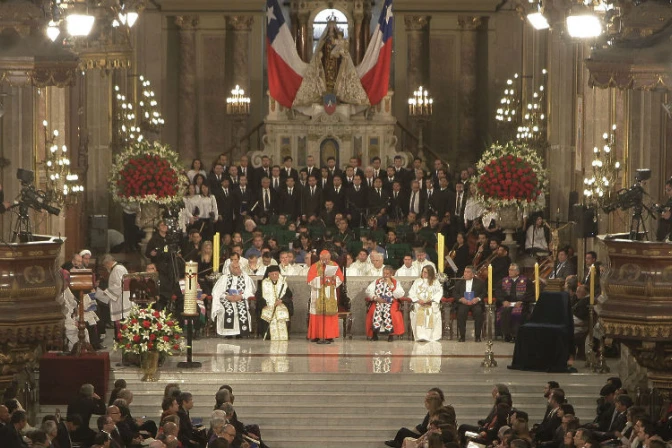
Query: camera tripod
(22,230)
(637,222)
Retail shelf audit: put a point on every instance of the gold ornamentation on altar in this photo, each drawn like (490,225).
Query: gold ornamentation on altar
(34,275)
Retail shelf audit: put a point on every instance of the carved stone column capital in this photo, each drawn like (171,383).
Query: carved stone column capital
(416,23)
(187,23)
(240,23)
(471,23)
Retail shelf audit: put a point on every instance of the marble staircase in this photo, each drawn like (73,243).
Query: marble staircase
(356,409)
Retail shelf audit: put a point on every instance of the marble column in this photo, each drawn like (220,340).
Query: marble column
(187,101)
(468,136)
(417,36)
(302,37)
(240,26)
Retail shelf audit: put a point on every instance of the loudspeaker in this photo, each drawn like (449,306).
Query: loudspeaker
(573,200)
(586,224)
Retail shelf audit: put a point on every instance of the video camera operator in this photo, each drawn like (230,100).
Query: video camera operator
(163,252)
(665,221)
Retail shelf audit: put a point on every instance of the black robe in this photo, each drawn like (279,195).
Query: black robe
(287,299)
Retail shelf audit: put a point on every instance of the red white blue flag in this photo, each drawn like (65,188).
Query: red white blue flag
(374,70)
(285,67)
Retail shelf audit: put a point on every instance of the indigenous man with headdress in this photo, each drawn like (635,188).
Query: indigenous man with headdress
(275,305)
(324,278)
(229,302)
(384,315)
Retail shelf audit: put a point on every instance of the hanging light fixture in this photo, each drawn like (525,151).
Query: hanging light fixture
(537,18)
(53,30)
(79,24)
(583,23)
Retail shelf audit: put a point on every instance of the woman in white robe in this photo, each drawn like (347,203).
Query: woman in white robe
(426,293)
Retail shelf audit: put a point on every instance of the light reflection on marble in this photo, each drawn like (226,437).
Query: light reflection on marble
(299,356)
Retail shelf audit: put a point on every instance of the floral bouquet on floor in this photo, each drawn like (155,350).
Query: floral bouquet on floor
(147,173)
(149,333)
(511,175)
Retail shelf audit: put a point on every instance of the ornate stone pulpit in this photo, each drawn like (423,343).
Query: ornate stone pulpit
(638,308)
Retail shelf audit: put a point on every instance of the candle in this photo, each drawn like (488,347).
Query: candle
(489,284)
(441,249)
(215,253)
(536,281)
(592,285)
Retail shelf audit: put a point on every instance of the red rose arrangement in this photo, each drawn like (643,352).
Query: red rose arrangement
(510,175)
(146,329)
(147,173)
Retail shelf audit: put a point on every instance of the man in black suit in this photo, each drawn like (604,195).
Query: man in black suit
(312,201)
(245,198)
(388,180)
(288,171)
(10,435)
(244,169)
(332,169)
(376,166)
(107,426)
(545,431)
(415,200)
(310,166)
(514,297)
(470,295)
(397,202)
(590,260)
(277,183)
(85,404)
(323,180)
(266,199)
(234,176)
(226,207)
(563,267)
(378,199)
(336,193)
(289,202)
(400,173)
(356,202)
(354,163)
(618,419)
(263,171)
(445,200)
(460,204)
(349,176)
(216,176)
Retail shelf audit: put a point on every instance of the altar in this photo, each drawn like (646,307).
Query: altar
(349,131)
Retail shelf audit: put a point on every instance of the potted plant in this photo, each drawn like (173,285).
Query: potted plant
(149,333)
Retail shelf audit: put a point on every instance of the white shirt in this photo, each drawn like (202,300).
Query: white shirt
(120,306)
(403,271)
(359,268)
(227,263)
(375,272)
(421,264)
(206,205)
(536,238)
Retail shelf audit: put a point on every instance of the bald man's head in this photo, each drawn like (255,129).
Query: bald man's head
(170,429)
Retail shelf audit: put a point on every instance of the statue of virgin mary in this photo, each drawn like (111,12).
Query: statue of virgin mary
(331,71)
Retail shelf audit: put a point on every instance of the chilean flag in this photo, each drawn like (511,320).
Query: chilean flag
(374,70)
(285,67)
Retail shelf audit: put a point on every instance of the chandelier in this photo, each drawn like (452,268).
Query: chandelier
(76,18)
(420,104)
(598,187)
(62,186)
(238,103)
(129,124)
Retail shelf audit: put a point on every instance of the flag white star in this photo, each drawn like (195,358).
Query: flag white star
(269,14)
(388,14)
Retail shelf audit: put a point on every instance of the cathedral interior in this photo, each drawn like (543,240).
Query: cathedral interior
(479,60)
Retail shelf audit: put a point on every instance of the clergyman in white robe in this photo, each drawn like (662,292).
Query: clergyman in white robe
(229,303)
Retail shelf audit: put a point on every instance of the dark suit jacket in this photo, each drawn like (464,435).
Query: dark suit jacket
(336,171)
(445,202)
(213,182)
(337,198)
(324,183)
(290,204)
(292,173)
(259,174)
(387,184)
(356,201)
(314,171)
(311,205)
(478,286)
(227,206)
(85,407)
(377,202)
(245,200)
(463,204)
(397,205)
(546,430)
(563,270)
(10,437)
(249,173)
(420,198)
(259,211)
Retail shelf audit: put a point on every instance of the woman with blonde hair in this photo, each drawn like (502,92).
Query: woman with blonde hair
(426,293)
